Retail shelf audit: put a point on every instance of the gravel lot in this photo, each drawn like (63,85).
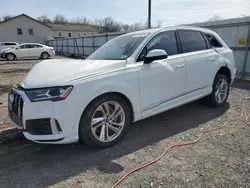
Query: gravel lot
(220,159)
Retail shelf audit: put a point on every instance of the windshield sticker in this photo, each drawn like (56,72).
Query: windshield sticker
(140,35)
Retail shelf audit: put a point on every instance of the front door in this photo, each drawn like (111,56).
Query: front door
(162,82)
(23,51)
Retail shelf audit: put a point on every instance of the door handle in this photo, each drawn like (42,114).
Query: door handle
(180,66)
(212,58)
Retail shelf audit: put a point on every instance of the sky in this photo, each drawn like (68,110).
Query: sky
(169,12)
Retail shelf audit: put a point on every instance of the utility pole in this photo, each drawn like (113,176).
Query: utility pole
(149,13)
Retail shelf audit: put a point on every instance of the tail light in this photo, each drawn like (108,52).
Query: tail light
(52,49)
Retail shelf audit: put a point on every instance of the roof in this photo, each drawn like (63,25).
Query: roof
(153,30)
(26,17)
(32,43)
(73,27)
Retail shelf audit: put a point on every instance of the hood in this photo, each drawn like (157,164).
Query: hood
(5,49)
(59,72)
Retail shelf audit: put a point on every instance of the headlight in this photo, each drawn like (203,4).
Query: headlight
(52,94)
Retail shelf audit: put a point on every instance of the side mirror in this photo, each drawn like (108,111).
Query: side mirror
(17,48)
(155,55)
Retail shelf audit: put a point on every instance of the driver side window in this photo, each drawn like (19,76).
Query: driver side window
(162,41)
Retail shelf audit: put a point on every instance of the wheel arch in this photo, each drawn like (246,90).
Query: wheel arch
(10,53)
(226,71)
(123,96)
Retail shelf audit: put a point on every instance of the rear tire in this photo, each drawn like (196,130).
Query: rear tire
(10,56)
(44,55)
(220,92)
(96,127)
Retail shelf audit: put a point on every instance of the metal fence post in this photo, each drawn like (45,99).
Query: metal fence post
(68,46)
(82,46)
(106,37)
(56,47)
(246,52)
(93,43)
(74,48)
(62,46)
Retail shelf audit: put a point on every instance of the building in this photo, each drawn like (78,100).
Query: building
(23,28)
(72,30)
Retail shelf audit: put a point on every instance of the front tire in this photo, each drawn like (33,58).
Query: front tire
(104,121)
(10,57)
(220,92)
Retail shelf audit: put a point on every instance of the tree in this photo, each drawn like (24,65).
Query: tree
(7,17)
(59,19)
(108,25)
(44,19)
(125,27)
(137,26)
(80,20)
(214,18)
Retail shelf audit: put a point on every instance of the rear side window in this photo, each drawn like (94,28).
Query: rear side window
(213,41)
(25,46)
(192,41)
(37,46)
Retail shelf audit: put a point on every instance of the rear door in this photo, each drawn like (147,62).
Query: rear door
(200,59)
(36,51)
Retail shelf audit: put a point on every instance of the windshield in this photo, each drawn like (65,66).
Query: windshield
(119,48)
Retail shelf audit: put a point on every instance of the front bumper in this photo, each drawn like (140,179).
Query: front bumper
(43,122)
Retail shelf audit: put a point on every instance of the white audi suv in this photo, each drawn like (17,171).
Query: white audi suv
(129,78)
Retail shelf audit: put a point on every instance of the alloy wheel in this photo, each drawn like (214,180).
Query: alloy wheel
(10,57)
(221,91)
(108,121)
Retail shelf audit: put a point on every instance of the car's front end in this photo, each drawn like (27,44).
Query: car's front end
(48,104)
(3,52)
(45,115)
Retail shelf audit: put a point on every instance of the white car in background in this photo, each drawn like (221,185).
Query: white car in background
(7,44)
(27,51)
(131,77)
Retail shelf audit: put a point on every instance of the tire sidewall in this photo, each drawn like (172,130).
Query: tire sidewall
(43,55)
(85,132)
(12,55)
(212,96)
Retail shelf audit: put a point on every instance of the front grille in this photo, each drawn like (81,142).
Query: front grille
(39,126)
(16,108)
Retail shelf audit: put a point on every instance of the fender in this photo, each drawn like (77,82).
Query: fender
(93,89)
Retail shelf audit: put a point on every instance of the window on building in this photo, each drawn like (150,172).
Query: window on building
(59,34)
(69,34)
(192,41)
(31,32)
(19,31)
(84,33)
(78,34)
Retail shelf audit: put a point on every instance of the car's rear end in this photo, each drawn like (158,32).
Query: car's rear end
(51,51)
(222,48)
